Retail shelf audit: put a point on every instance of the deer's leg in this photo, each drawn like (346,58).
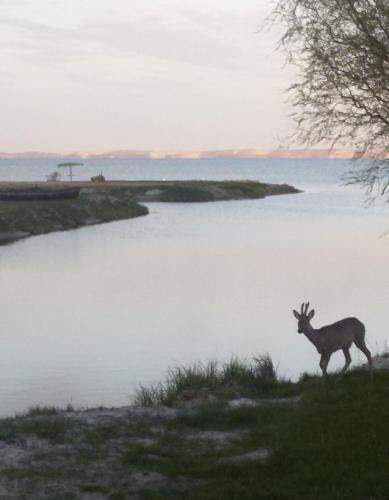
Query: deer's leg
(367,353)
(324,360)
(347,357)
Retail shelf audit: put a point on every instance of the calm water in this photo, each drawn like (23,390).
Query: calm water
(87,315)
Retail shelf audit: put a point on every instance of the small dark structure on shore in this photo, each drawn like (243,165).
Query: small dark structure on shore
(98,178)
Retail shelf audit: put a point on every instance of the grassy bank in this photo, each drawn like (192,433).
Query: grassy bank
(236,378)
(328,443)
(205,191)
(26,218)
(112,201)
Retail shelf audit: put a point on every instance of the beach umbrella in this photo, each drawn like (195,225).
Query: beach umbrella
(70,166)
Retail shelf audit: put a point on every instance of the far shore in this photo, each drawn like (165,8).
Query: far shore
(112,200)
(224,154)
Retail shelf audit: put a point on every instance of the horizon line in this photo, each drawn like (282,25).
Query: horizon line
(187,154)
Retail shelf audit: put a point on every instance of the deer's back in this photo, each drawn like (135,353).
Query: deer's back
(341,334)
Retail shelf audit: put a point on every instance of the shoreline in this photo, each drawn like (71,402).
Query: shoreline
(114,200)
(258,428)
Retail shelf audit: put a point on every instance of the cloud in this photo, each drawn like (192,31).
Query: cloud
(186,36)
(188,46)
(125,68)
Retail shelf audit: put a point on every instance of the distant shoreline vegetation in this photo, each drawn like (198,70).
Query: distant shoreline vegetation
(111,201)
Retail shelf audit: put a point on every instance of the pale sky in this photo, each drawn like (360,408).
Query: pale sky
(140,74)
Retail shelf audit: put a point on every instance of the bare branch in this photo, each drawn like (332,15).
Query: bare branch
(341,94)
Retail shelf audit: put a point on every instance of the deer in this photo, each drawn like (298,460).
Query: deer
(331,338)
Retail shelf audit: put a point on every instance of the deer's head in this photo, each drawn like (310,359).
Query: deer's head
(304,318)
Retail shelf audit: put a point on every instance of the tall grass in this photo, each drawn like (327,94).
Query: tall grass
(255,377)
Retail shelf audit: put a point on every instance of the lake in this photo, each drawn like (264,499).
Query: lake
(88,315)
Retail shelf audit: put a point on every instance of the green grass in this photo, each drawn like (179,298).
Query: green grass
(48,410)
(334,445)
(200,191)
(53,427)
(185,193)
(246,189)
(256,377)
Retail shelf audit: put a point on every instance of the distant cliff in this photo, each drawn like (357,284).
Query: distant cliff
(223,154)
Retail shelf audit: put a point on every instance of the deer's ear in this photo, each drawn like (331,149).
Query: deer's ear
(311,314)
(296,314)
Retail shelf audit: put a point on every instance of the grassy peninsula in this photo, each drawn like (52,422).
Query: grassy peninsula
(110,201)
(210,432)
